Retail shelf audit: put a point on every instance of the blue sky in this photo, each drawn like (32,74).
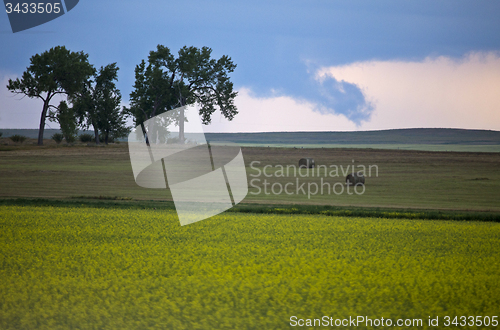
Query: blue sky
(295,59)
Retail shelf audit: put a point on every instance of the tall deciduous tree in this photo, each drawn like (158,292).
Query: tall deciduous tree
(99,105)
(67,120)
(111,119)
(56,71)
(194,76)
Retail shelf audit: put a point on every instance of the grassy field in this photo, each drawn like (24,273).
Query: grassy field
(91,268)
(416,179)
(406,179)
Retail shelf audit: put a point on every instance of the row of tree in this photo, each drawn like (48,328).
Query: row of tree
(163,83)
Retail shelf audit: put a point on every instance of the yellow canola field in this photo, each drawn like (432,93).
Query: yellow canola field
(91,268)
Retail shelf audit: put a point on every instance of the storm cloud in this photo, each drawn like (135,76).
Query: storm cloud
(344,98)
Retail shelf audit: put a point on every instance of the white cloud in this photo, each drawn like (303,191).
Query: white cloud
(437,92)
(277,113)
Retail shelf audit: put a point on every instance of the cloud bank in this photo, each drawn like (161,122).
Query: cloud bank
(374,95)
(435,92)
(275,114)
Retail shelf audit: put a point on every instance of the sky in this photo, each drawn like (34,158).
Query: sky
(322,65)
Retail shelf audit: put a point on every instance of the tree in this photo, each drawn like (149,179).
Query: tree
(65,116)
(57,71)
(110,116)
(99,105)
(193,77)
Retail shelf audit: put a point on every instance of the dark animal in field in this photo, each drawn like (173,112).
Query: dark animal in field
(355,178)
(306,162)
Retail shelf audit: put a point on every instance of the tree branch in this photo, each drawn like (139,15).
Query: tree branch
(172,79)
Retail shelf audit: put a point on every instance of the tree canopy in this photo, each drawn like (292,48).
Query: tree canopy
(163,83)
(56,71)
(167,82)
(98,105)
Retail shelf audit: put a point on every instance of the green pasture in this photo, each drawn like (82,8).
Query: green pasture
(394,178)
(405,179)
(92,268)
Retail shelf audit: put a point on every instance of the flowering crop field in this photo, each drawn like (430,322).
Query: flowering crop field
(92,268)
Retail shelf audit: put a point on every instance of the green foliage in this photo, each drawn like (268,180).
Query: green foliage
(107,140)
(91,268)
(167,82)
(70,138)
(364,212)
(110,198)
(85,138)
(18,138)
(48,75)
(67,120)
(58,137)
(173,140)
(99,105)
(322,210)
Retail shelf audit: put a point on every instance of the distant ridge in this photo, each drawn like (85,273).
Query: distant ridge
(393,136)
(434,136)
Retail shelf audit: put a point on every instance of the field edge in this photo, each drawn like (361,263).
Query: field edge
(259,208)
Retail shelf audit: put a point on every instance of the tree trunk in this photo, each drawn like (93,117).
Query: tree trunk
(96,133)
(106,135)
(42,120)
(181,120)
(145,133)
(181,126)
